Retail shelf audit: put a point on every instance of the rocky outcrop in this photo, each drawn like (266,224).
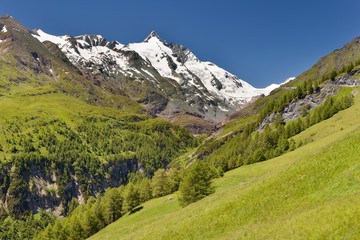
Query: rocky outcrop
(299,107)
(34,187)
(348,79)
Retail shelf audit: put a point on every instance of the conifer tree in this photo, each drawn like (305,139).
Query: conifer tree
(160,183)
(145,191)
(131,197)
(196,184)
(113,202)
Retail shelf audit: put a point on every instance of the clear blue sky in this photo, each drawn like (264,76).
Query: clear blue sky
(261,41)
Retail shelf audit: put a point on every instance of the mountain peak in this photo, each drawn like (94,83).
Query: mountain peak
(12,23)
(153,34)
(6,16)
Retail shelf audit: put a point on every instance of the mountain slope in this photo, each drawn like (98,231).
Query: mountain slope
(288,105)
(62,136)
(334,61)
(176,81)
(310,193)
(307,193)
(28,62)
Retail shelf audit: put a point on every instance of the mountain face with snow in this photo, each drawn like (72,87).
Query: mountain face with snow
(167,78)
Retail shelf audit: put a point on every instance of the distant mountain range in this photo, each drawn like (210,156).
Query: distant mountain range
(177,83)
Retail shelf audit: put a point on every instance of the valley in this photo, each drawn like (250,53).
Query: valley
(104,140)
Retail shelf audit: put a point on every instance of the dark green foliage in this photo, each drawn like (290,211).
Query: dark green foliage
(154,142)
(112,203)
(131,197)
(207,147)
(90,221)
(99,152)
(196,183)
(72,230)
(97,213)
(333,74)
(27,228)
(72,205)
(145,190)
(174,179)
(345,69)
(89,155)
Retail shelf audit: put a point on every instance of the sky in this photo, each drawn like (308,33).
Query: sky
(260,41)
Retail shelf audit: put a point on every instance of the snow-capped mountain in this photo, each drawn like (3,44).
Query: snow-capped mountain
(200,88)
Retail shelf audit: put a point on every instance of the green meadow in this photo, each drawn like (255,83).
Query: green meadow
(312,192)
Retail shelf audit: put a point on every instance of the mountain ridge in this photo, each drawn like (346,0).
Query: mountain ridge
(187,84)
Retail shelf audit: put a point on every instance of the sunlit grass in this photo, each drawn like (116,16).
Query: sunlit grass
(43,104)
(310,193)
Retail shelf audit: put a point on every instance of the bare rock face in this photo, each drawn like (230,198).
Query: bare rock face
(348,79)
(297,107)
(39,189)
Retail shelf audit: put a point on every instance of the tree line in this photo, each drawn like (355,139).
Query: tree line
(85,220)
(82,158)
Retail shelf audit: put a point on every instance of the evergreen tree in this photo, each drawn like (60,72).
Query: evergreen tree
(160,183)
(196,184)
(113,202)
(58,231)
(99,212)
(131,197)
(72,205)
(90,223)
(309,87)
(174,179)
(75,229)
(316,87)
(144,189)
(333,75)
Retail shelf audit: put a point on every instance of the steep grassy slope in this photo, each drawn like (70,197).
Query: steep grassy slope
(310,193)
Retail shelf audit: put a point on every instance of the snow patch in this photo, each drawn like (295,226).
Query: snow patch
(223,109)
(4,30)
(147,72)
(288,80)
(266,91)
(156,52)
(42,37)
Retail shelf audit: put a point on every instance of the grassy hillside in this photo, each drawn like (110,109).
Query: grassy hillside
(310,193)
(50,141)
